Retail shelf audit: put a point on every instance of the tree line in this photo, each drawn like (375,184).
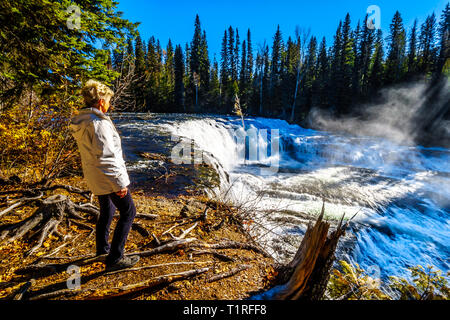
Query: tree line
(286,79)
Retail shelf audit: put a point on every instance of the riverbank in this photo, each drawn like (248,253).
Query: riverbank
(244,270)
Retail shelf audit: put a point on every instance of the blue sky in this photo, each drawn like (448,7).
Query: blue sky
(175,19)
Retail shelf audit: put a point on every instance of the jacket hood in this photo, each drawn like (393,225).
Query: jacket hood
(79,122)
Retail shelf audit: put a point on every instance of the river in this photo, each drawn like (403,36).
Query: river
(399,193)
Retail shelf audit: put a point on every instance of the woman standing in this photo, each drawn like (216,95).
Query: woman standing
(105,172)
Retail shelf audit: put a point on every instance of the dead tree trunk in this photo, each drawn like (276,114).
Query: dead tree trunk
(309,271)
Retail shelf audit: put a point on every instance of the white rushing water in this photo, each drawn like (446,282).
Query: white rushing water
(401,194)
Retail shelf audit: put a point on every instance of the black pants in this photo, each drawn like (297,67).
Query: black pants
(108,204)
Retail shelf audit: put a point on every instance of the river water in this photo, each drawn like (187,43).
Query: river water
(399,193)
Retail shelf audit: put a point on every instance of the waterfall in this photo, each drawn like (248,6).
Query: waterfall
(399,192)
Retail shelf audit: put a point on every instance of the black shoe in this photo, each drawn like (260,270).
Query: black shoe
(125,262)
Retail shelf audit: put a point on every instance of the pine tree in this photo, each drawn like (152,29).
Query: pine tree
(232,67)
(443,62)
(258,84)
(357,70)
(236,54)
(395,62)
(310,74)
(262,83)
(139,56)
(243,72)
(129,56)
(335,69)
(322,76)
(224,63)
(249,59)
(40,51)
(188,83)
(153,83)
(179,72)
(364,56)
(412,51)
(168,81)
(139,75)
(427,45)
(214,88)
(277,49)
(117,58)
(196,45)
(204,67)
(377,68)
(347,62)
(197,51)
(266,79)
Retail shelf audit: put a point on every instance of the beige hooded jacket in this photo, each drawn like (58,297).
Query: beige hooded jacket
(101,151)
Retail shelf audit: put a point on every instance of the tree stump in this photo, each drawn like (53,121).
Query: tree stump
(309,271)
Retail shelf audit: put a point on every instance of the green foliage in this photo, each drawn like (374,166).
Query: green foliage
(353,283)
(46,54)
(427,284)
(396,59)
(353,70)
(40,50)
(34,140)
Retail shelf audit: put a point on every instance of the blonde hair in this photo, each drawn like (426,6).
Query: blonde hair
(93,91)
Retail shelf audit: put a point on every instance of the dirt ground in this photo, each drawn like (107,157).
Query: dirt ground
(177,212)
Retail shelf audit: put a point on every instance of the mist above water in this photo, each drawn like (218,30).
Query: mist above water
(408,114)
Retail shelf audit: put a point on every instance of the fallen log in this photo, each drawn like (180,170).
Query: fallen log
(229,244)
(55,290)
(140,287)
(214,253)
(140,229)
(167,247)
(47,269)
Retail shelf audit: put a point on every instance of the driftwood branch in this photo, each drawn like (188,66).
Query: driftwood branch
(230,273)
(140,287)
(84,193)
(21,202)
(184,233)
(157,266)
(229,244)
(18,295)
(214,253)
(171,246)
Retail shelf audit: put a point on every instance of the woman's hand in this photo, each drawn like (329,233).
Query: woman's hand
(122,193)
